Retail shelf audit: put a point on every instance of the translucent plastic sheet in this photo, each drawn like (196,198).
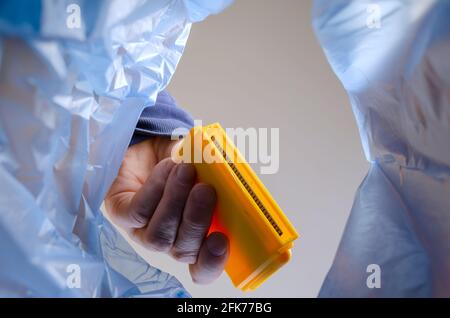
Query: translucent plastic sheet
(393,58)
(69,102)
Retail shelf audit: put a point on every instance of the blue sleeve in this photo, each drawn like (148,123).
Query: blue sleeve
(161,119)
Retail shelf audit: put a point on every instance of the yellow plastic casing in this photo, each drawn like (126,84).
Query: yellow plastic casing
(260,235)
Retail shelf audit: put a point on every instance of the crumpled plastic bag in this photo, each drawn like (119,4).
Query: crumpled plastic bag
(71,92)
(393,58)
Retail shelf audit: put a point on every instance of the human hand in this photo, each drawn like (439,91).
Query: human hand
(159,205)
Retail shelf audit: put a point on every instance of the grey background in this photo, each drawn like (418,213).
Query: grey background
(258,64)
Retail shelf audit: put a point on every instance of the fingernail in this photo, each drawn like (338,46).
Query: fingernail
(185,173)
(217,244)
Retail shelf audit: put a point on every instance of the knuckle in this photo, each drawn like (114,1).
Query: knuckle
(116,209)
(160,240)
(184,256)
(194,229)
(139,218)
(187,245)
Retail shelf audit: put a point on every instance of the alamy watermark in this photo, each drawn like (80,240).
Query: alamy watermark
(374,279)
(257,146)
(373,20)
(73,20)
(73,279)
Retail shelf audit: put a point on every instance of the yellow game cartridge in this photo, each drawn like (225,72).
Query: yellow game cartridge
(260,235)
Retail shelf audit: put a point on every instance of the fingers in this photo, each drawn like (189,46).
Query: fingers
(211,259)
(195,223)
(161,231)
(171,214)
(146,200)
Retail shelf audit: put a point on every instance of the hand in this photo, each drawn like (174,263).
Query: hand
(159,205)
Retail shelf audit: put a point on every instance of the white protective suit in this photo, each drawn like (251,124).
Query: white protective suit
(393,58)
(74,78)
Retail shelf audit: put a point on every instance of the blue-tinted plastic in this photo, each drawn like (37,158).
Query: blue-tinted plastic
(69,102)
(393,58)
